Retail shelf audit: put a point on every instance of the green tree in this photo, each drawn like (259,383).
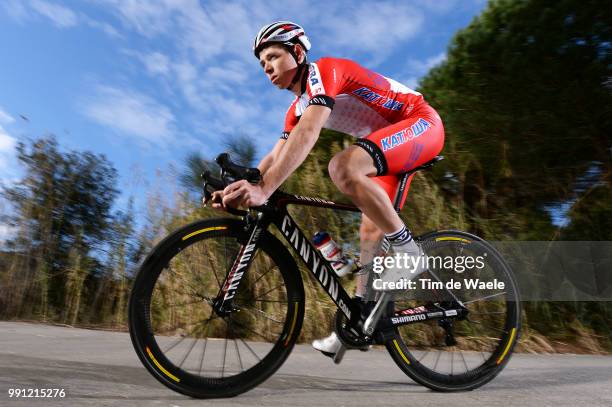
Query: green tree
(62,210)
(525,98)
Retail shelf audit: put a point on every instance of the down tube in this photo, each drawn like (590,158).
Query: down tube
(317,265)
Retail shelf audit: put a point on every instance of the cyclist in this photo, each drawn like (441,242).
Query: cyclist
(396,130)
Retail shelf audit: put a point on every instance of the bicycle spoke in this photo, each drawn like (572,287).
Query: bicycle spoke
(488,313)
(182,338)
(437,359)
(258,278)
(188,284)
(446,290)
(179,340)
(467,368)
(183,304)
(213,268)
(484,298)
(195,340)
(489,327)
(270,290)
(263,314)
(224,354)
(196,275)
(249,348)
(250,330)
(203,353)
(423,356)
(484,359)
(239,358)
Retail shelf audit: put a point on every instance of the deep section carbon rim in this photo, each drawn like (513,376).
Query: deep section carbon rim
(184,342)
(459,353)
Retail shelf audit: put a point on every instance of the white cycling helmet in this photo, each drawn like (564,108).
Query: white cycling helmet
(280,32)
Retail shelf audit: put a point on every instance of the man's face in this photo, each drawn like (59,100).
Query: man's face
(278,65)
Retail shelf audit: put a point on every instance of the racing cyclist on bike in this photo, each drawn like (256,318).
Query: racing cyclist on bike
(395,130)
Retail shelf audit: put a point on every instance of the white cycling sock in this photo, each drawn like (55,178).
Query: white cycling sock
(399,237)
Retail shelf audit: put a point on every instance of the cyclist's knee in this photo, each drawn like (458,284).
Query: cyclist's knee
(340,171)
(347,166)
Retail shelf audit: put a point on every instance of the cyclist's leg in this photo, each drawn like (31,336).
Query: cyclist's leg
(388,151)
(355,169)
(370,235)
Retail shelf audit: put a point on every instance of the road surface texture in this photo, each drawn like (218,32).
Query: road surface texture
(99,368)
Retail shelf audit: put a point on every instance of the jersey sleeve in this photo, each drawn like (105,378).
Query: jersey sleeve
(290,120)
(323,82)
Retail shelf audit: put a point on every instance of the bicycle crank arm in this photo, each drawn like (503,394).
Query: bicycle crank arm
(374,317)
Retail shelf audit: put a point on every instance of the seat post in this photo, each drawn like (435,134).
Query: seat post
(404,180)
(399,193)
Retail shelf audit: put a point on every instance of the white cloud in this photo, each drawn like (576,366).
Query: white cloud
(418,68)
(423,66)
(105,27)
(437,6)
(61,16)
(231,72)
(131,113)
(149,18)
(377,28)
(412,82)
(7,143)
(156,63)
(16,9)
(7,151)
(5,118)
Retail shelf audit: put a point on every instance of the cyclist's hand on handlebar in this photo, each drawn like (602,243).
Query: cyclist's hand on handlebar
(216,200)
(243,193)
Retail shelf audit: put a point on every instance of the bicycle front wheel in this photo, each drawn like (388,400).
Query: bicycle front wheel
(458,353)
(178,336)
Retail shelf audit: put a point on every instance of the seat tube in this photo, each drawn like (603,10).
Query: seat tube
(223,303)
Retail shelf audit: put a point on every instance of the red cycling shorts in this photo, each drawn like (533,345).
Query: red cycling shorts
(404,145)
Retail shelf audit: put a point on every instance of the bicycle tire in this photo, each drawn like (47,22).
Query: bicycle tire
(159,310)
(404,350)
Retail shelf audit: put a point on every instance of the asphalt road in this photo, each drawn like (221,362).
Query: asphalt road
(98,368)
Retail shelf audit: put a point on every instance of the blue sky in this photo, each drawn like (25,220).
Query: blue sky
(145,82)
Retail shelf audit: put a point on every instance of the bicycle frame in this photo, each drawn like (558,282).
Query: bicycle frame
(275,212)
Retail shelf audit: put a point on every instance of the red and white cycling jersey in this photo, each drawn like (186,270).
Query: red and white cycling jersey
(362,100)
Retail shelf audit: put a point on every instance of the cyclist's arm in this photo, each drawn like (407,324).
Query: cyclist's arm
(295,150)
(271,157)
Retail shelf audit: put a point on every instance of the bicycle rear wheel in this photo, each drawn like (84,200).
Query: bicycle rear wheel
(455,354)
(177,335)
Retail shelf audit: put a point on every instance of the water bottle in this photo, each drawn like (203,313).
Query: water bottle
(332,253)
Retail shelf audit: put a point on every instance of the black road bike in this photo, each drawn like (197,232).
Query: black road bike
(217,306)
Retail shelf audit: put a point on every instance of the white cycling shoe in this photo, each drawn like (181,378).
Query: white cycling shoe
(329,346)
(332,347)
(410,262)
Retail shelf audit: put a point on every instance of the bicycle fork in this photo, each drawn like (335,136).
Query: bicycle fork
(224,301)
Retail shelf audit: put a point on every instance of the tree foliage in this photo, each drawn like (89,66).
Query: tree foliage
(62,211)
(525,98)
